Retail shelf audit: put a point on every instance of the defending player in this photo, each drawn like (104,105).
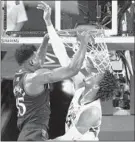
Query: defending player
(31,87)
(85,114)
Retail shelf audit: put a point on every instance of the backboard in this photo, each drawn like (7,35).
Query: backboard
(65,15)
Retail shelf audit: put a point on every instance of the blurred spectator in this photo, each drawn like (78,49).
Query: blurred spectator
(16,15)
(116,99)
(122,80)
(126,100)
(121,101)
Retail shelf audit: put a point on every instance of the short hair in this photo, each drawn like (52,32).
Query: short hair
(23,53)
(108,86)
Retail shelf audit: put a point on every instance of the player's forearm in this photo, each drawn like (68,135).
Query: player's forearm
(79,57)
(57,44)
(42,49)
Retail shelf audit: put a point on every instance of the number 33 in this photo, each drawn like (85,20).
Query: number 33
(20,106)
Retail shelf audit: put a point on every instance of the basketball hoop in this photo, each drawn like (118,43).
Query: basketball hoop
(97,52)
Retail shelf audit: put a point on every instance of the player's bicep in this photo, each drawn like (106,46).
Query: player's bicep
(58,47)
(59,74)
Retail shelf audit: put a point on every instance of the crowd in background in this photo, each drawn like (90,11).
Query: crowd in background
(121,101)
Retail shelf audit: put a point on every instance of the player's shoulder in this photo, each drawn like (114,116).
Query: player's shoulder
(92,111)
(89,118)
(31,77)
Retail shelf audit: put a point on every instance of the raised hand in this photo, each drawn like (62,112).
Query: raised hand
(83,37)
(46,37)
(47,10)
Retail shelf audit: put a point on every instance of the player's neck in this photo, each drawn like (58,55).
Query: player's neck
(25,67)
(88,96)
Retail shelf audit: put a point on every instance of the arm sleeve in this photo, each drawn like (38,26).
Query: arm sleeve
(61,53)
(58,46)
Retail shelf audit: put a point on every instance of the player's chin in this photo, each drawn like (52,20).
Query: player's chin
(88,69)
(91,70)
(88,81)
(89,85)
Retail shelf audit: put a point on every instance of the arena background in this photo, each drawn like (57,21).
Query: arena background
(113,127)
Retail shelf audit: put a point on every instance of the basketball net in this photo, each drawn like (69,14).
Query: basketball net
(97,52)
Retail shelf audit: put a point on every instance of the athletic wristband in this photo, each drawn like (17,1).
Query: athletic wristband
(58,46)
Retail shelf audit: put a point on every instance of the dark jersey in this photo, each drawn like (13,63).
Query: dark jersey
(31,110)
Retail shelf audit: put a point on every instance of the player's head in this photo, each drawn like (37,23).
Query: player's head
(107,86)
(26,55)
(103,85)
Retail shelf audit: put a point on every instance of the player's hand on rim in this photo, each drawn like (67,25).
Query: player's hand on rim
(46,36)
(83,37)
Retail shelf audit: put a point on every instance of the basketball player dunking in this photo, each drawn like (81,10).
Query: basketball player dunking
(84,114)
(31,86)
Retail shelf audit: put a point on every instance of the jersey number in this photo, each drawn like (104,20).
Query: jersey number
(20,106)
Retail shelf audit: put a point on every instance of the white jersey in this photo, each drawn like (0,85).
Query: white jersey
(74,112)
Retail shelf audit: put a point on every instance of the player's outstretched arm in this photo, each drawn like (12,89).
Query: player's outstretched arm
(42,76)
(42,50)
(56,42)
